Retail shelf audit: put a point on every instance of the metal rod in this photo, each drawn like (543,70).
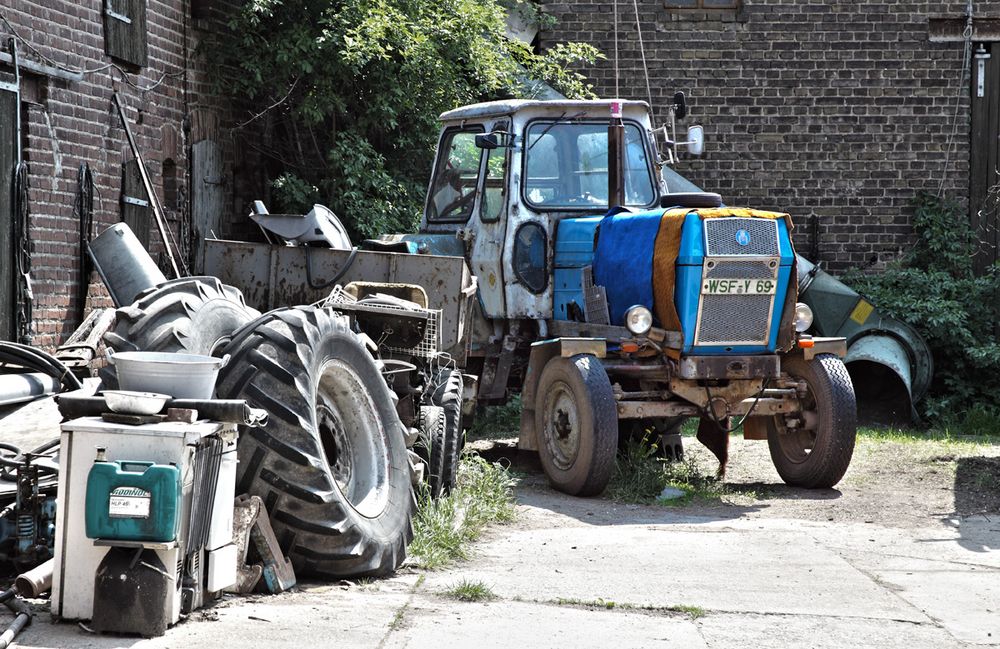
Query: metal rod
(144,174)
(17,111)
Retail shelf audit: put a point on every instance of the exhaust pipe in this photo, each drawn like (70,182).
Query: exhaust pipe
(36,581)
(123,264)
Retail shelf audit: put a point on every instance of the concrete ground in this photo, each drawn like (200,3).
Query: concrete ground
(591,573)
(595,573)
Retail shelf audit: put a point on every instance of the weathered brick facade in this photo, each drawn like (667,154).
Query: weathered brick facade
(70,122)
(836,111)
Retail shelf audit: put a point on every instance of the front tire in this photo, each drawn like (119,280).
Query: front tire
(816,453)
(576,421)
(331,465)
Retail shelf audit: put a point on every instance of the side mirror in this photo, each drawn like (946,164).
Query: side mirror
(680,105)
(488,141)
(696,140)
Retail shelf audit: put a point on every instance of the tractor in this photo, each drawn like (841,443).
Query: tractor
(616,301)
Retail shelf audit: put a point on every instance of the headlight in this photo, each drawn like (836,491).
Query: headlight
(638,320)
(803,317)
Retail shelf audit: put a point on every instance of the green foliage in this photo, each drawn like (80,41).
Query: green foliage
(497,422)
(471,591)
(443,527)
(347,92)
(640,477)
(933,288)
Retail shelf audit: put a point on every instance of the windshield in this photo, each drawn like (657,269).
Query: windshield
(567,166)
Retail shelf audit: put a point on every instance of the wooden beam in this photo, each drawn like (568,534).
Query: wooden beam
(951,30)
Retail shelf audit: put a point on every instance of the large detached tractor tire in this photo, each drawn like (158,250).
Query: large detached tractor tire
(448,395)
(816,453)
(576,423)
(331,465)
(197,315)
(430,446)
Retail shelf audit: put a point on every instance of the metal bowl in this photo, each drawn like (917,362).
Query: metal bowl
(127,402)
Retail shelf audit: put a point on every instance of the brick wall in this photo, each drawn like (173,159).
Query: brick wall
(67,123)
(836,111)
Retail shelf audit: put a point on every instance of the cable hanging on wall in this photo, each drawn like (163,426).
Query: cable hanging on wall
(966,59)
(24,297)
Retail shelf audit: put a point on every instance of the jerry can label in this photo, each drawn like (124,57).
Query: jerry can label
(128,502)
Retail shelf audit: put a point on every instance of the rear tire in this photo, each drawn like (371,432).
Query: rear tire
(431,446)
(331,465)
(817,457)
(576,422)
(448,395)
(197,315)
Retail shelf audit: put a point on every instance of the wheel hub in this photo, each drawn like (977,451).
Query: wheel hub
(339,451)
(562,434)
(353,438)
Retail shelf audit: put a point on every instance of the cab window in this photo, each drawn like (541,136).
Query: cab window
(494,184)
(456,175)
(567,166)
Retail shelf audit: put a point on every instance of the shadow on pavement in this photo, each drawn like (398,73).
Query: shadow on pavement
(977,503)
(533,490)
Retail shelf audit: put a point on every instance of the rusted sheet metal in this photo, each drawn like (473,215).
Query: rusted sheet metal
(274,276)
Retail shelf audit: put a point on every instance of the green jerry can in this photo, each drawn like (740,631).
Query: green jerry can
(133,501)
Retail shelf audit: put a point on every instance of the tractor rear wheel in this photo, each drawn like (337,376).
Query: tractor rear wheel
(448,395)
(430,446)
(331,465)
(576,422)
(816,451)
(197,315)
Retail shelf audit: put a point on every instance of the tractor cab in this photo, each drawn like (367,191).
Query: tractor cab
(505,175)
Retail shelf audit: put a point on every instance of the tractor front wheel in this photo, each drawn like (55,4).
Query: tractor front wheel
(813,448)
(577,425)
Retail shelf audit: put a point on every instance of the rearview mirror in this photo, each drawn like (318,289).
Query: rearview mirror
(696,140)
(490,141)
(680,105)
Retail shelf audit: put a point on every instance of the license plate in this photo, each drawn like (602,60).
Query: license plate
(739,287)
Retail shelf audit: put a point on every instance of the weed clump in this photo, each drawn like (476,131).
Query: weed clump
(443,527)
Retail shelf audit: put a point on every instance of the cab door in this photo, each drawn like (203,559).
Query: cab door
(489,225)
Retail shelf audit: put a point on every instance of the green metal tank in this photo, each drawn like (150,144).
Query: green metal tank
(889,362)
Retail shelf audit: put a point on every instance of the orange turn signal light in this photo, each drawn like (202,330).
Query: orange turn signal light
(806,343)
(630,348)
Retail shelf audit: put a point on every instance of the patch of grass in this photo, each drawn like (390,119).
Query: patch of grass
(640,477)
(694,612)
(497,422)
(471,591)
(443,527)
(398,619)
(585,603)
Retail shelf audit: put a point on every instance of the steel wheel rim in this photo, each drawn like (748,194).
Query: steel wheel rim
(353,438)
(797,443)
(562,425)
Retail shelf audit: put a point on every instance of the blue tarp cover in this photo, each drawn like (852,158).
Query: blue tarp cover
(623,261)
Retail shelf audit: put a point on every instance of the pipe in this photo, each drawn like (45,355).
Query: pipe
(123,264)
(23,618)
(36,581)
(18,388)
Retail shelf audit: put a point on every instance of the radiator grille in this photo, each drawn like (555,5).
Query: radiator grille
(742,269)
(721,237)
(742,319)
